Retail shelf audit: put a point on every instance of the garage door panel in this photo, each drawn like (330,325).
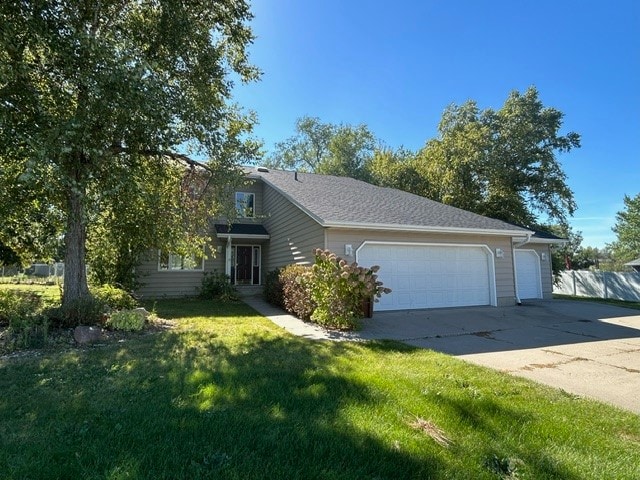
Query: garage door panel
(431,276)
(528,274)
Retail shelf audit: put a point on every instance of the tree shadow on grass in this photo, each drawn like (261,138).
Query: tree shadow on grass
(485,415)
(191,406)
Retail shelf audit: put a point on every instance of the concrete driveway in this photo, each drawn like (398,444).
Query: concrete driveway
(584,348)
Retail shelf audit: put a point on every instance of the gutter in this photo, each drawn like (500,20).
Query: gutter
(515,274)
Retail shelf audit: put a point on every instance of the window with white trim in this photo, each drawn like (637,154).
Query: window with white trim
(171,262)
(245,202)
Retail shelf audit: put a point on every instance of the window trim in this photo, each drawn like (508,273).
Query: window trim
(199,268)
(243,213)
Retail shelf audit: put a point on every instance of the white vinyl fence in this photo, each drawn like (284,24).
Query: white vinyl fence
(615,285)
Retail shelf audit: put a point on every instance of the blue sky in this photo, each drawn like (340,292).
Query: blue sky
(395,66)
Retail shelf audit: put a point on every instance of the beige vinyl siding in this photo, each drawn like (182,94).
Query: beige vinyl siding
(294,235)
(505,282)
(546,269)
(173,283)
(255,187)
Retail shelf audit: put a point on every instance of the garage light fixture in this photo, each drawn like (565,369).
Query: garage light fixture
(499,253)
(348,250)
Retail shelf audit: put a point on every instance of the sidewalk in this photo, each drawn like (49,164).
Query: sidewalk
(294,325)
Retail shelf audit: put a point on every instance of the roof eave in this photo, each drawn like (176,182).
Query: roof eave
(550,241)
(243,235)
(426,229)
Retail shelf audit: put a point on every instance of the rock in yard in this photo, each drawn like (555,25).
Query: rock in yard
(85,335)
(142,311)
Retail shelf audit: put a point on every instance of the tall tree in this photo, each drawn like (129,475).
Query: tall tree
(627,228)
(502,163)
(326,148)
(564,256)
(398,169)
(92,93)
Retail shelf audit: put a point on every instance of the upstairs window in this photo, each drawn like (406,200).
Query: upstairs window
(245,204)
(171,262)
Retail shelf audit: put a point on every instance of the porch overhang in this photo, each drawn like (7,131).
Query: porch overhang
(245,231)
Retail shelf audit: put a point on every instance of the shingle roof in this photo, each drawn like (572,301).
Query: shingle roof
(343,201)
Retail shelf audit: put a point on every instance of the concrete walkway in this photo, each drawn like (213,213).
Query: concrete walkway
(588,349)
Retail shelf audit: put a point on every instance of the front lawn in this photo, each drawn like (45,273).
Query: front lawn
(50,293)
(226,394)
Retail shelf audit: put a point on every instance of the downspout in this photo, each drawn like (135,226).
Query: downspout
(515,274)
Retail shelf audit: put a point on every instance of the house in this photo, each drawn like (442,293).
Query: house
(431,255)
(634,264)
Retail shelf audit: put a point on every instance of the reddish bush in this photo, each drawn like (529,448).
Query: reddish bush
(296,293)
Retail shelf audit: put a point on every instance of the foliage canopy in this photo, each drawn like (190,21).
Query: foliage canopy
(98,100)
(627,228)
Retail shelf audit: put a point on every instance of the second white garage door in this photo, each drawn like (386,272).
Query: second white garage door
(431,275)
(528,274)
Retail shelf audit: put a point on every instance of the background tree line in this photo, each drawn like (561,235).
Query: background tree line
(500,163)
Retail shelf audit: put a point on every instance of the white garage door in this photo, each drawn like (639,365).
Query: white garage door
(431,276)
(528,274)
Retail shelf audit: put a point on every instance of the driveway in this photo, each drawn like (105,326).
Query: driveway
(584,348)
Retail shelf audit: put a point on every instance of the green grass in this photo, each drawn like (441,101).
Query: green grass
(47,292)
(229,395)
(608,301)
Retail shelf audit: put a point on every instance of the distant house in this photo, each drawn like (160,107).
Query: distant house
(635,264)
(431,255)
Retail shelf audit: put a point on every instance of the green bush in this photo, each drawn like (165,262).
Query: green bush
(217,286)
(296,290)
(127,320)
(113,297)
(339,288)
(15,305)
(22,313)
(272,290)
(83,311)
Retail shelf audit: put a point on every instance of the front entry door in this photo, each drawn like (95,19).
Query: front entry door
(244,264)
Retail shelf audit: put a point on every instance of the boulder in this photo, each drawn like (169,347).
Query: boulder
(142,311)
(85,335)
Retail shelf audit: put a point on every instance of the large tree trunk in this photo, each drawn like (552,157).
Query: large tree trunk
(75,271)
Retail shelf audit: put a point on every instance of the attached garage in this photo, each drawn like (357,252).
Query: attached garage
(431,275)
(528,275)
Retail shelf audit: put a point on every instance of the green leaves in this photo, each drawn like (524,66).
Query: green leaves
(627,229)
(342,150)
(502,163)
(98,98)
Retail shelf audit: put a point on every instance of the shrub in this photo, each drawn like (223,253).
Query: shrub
(339,288)
(127,320)
(296,290)
(217,286)
(83,311)
(272,291)
(113,297)
(15,305)
(29,331)
(22,313)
